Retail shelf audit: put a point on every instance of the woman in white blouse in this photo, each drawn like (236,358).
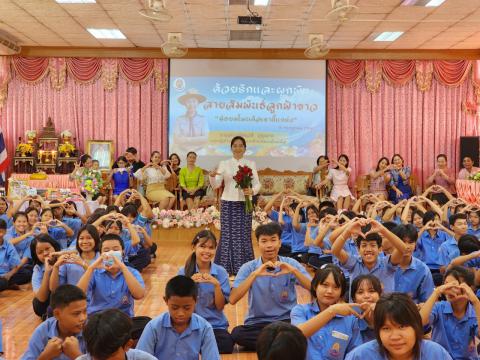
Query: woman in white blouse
(153,175)
(235,246)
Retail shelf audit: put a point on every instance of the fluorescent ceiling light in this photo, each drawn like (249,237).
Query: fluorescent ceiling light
(388,36)
(260,2)
(433,3)
(106,33)
(76,1)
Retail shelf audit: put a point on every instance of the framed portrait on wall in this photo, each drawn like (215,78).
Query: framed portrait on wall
(101,150)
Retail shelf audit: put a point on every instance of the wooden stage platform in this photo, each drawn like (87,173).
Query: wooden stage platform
(19,321)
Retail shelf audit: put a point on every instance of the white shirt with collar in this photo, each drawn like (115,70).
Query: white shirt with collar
(226,171)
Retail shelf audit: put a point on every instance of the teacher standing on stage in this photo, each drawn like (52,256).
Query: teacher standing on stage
(235,246)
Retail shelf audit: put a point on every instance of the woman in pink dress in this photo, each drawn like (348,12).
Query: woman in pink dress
(339,177)
(379,178)
(443,177)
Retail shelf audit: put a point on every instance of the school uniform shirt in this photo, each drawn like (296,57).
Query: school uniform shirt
(7,219)
(60,235)
(428,350)
(8,258)
(71,273)
(270,298)
(131,354)
(448,251)
(23,247)
(384,270)
(287,236)
(298,240)
(205,306)
(339,336)
(428,247)
(37,276)
(160,339)
(312,249)
(472,231)
(457,336)
(44,332)
(366,333)
(143,222)
(350,247)
(106,291)
(416,281)
(75,224)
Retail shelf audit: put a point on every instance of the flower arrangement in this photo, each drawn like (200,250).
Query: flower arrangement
(475,177)
(244,178)
(31,135)
(91,182)
(66,148)
(25,148)
(198,218)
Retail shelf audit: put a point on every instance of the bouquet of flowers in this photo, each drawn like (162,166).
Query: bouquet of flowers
(243,178)
(475,177)
(25,148)
(91,182)
(66,148)
(186,219)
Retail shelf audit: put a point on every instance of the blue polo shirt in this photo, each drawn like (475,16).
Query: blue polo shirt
(457,336)
(384,270)
(37,276)
(367,333)
(8,257)
(298,239)
(448,251)
(416,281)
(205,306)
(7,219)
(472,231)
(339,336)
(160,339)
(428,350)
(71,273)
(270,298)
(23,247)
(44,332)
(428,246)
(106,291)
(75,224)
(60,235)
(287,234)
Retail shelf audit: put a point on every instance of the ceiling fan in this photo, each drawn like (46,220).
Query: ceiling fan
(173,47)
(318,47)
(342,11)
(156,10)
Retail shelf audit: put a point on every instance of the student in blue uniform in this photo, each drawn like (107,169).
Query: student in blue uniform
(281,341)
(366,289)
(454,321)
(108,282)
(11,272)
(412,277)
(310,225)
(329,325)
(67,213)
(179,334)
(270,283)
(284,217)
(108,336)
(399,333)
(56,228)
(42,249)
(383,268)
(474,223)
(60,337)
(449,249)
(213,287)
(469,248)
(20,235)
(70,267)
(319,249)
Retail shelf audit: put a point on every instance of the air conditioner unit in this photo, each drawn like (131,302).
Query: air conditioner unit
(8,47)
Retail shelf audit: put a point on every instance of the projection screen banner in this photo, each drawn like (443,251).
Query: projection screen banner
(277,105)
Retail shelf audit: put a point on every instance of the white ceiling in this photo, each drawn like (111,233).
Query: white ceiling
(206,23)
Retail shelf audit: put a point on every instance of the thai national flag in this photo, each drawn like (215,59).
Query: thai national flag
(4,160)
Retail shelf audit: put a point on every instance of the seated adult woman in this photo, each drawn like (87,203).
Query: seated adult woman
(319,173)
(153,176)
(379,178)
(191,182)
(399,180)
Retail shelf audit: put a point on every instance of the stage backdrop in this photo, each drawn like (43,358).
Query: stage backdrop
(124,100)
(416,108)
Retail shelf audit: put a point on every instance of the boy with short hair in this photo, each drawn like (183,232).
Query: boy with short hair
(369,245)
(60,337)
(108,336)
(449,249)
(11,272)
(270,282)
(412,277)
(179,333)
(108,282)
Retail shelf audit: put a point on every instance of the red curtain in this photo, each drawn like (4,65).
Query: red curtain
(84,69)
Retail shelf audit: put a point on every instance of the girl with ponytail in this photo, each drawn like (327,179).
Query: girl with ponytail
(213,287)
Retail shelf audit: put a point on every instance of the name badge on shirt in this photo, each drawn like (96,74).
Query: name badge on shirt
(339,335)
